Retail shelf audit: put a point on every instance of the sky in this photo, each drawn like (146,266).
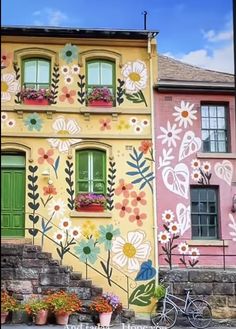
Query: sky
(198,32)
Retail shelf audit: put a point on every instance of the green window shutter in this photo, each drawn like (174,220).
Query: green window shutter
(91,171)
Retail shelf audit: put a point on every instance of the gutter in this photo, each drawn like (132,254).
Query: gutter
(156,251)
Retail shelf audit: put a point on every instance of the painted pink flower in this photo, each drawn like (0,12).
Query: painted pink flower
(137,217)
(138,198)
(123,207)
(67,95)
(6,59)
(45,156)
(49,190)
(105,124)
(123,188)
(145,146)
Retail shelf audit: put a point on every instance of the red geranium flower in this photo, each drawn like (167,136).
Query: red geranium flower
(49,190)
(145,146)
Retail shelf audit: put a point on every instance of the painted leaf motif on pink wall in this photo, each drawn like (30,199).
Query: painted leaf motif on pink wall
(177,179)
(183,216)
(232,227)
(190,144)
(224,171)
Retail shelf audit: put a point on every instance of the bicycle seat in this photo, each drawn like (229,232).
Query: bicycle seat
(188,289)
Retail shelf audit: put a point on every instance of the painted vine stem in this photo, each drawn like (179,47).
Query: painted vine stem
(33,195)
(69,171)
(111,183)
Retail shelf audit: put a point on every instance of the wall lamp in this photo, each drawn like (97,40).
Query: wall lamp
(233,209)
(46,174)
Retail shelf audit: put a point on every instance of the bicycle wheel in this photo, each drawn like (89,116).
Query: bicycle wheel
(164,314)
(199,313)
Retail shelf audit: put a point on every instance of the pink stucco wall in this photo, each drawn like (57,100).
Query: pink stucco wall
(174,177)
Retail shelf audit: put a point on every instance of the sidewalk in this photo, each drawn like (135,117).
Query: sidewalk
(91,326)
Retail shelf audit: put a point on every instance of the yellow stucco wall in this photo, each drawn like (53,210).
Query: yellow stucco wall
(61,129)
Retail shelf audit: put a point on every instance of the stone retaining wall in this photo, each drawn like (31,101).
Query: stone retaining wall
(218,287)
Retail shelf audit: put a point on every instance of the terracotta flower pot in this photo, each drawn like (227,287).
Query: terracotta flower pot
(62,318)
(41,317)
(4,317)
(105,319)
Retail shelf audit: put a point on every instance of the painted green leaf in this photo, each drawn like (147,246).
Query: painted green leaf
(141,296)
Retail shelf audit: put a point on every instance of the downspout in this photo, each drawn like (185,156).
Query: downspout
(150,36)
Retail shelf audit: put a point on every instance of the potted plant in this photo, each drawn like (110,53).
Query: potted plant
(38,308)
(100,96)
(32,96)
(8,303)
(90,202)
(62,304)
(159,291)
(107,306)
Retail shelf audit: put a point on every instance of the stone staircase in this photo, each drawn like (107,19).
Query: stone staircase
(27,270)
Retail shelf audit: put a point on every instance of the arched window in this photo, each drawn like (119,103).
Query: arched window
(36,73)
(100,73)
(91,171)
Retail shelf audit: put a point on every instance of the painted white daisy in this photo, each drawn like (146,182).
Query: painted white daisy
(168,216)
(4,116)
(9,86)
(164,236)
(68,79)
(135,76)
(131,252)
(65,69)
(11,123)
(185,114)
(75,232)
(145,123)
(59,236)
(196,175)
(206,166)
(170,134)
(174,227)
(75,69)
(138,129)
(183,248)
(63,128)
(65,224)
(194,253)
(56,208)
(133,121)
(195,164)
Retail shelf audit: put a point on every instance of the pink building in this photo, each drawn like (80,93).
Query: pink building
(195,166)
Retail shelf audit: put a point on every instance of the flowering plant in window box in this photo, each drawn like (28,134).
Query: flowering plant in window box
(90,202)
(100,96)
(31,96)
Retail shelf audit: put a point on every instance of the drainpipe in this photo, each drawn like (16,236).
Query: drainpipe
(150,36)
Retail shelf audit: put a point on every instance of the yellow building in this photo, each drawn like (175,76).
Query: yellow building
(62,150)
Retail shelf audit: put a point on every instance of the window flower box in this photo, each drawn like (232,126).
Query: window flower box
(100,103)
(31,96)
(90,202)
(100,97)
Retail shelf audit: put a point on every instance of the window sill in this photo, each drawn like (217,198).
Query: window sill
(208,243)
(86,214)
(216,155)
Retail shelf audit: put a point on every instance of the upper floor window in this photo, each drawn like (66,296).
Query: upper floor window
(101,73)
(204,212)
(214,128)
(36,73)
(91,171)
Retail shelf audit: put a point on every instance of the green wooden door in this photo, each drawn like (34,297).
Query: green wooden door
(12,195)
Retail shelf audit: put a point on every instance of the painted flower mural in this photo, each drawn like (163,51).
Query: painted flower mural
(56,208)
(170,134)
(87,251)
(107,234)
(67,95)
(135,76)
(9,86)
(6,58)
(33,122)
(45,156)
(185,114)
(69,53)
(131,251)
(64,128)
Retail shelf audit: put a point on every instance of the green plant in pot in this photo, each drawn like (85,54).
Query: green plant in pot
(8,304)
(38,308)
(159,291)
